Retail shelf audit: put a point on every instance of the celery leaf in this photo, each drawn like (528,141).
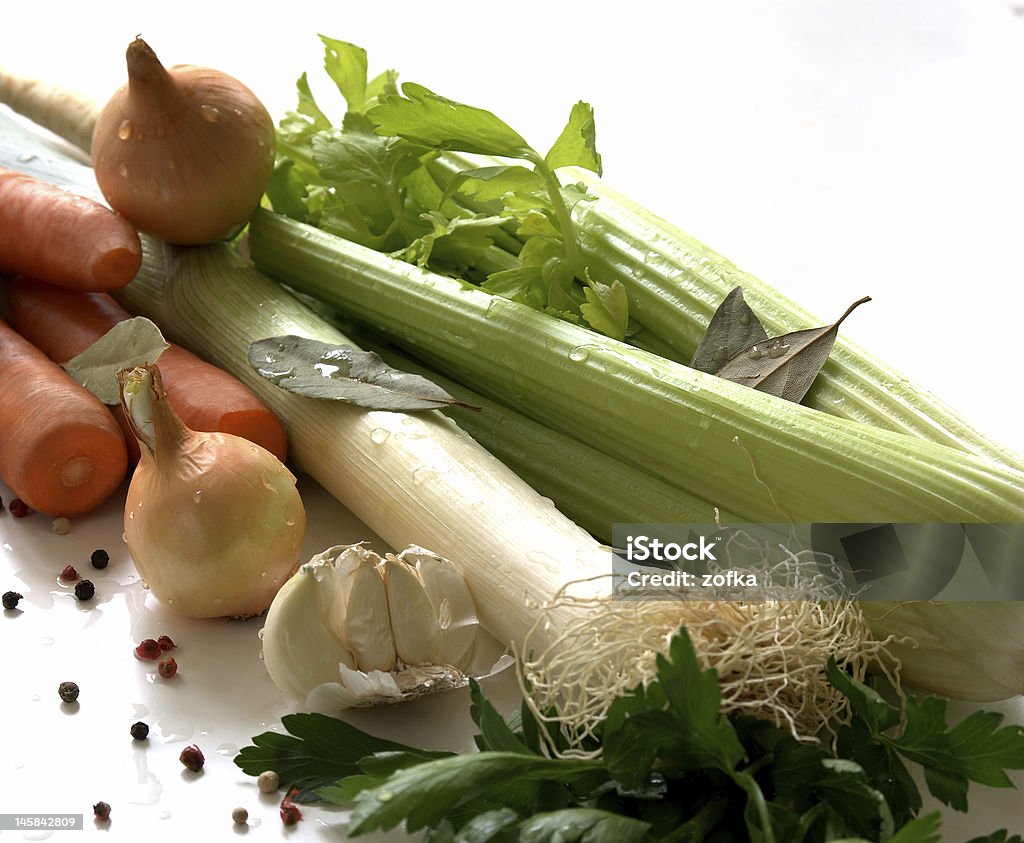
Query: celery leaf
(346,64)
(430,119)
(577,145)
(607,308)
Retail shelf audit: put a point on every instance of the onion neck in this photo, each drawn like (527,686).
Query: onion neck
(150,415)
(147,77)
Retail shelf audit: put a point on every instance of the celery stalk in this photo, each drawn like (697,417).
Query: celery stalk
(749,453)
(674,283)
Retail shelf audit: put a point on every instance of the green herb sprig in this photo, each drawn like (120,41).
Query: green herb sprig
(672,768)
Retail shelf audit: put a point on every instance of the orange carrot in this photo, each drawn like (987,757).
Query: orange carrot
(64,323)
(60,450)
(62,238)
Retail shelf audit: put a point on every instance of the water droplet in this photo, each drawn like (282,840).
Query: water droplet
(385,795)
(211,114)
(122,171)
(755,353)
(721,355)
(379,435)
(778,350)
(579,354)
(838,400)
(131,515)
(155,185)
(692,440)
(197,496)
(424,475)
(744,318)
(164,815)
(217,601)
(25,157)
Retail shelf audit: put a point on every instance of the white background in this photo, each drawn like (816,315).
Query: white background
(835,149)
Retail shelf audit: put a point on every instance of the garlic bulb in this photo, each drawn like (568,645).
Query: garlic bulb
(351,628)
(183,153)
(213,522)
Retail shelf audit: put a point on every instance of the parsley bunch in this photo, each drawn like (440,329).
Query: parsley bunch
(672,769)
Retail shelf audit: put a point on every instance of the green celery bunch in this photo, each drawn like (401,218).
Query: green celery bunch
(368,180)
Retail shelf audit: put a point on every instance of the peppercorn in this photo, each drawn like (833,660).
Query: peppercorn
(11,599)
(268,781)
(69,573)
(167,668)
(148,650)
(165,642)
(290,813)
(18,508)
(239,816)
(140,731)
(85,590)
(99,558)
(68,691)
(192,757)
(101,810)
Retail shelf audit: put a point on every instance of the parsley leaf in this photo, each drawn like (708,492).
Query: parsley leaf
(425,794)
(318,751)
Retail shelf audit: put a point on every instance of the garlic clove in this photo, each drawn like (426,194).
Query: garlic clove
(367,623)
(452,603)
(294,624)
(414,622)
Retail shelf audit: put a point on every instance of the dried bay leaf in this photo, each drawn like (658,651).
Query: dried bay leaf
(344,373)
(129,343)
(733,328)
(785,366)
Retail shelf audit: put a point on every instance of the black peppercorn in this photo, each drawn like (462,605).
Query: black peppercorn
(140,731)
(11,599)
(68,691)
(101,810)
(85,590)
(99,558)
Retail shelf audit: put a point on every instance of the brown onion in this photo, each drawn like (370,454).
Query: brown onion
(184,154)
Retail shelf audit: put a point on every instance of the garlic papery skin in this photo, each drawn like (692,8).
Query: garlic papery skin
(329,617)
(213,522)
(183,153)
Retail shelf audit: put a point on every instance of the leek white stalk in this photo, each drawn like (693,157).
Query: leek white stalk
(213,523)
(964,650)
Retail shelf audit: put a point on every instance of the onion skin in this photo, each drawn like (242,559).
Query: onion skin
(184,154)
(213,522)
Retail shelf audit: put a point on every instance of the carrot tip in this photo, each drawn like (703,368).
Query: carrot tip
(116,268)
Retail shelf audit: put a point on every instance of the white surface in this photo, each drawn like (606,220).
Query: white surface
(835,149)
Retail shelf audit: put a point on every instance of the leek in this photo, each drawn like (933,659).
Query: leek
(746,452)
(414,479)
